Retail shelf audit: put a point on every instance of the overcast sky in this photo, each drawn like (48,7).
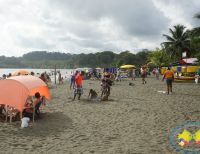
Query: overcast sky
(77,26)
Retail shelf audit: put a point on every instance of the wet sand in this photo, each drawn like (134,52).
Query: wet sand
(136,120)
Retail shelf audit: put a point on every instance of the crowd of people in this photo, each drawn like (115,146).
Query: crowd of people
(107,79)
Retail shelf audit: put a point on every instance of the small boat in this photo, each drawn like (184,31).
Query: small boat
(182,78)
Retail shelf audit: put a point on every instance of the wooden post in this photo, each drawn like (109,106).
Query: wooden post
(55,74)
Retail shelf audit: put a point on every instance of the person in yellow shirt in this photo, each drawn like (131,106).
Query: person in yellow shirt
(169,76)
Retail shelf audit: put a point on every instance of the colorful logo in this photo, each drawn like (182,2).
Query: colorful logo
(185,138)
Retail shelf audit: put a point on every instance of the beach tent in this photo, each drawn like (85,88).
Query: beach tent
(127,66)
(85,69)
(110,70)
(21,72)
(14,91)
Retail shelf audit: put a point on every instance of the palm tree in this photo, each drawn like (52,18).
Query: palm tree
(197,15)
(196,31)
(177,42)
(195,39)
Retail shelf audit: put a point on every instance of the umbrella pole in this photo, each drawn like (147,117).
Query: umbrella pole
(55,75)
(6,113)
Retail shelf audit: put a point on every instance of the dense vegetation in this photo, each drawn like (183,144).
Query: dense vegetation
(179,40)
(43,59)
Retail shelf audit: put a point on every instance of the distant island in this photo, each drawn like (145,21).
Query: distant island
(44,59)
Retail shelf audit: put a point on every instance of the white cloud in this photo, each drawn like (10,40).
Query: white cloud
(89,26)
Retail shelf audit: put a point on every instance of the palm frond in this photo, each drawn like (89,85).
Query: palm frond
(197,15)
(169,38)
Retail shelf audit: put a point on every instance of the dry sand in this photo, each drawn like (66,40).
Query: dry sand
(136,120)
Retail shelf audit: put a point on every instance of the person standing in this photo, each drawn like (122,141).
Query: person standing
(157,73)
(169,76)
(60,79)
(72,80)
(133,74)
(143,74)
(42,77)
(118,75)
(78,85)
(196,78)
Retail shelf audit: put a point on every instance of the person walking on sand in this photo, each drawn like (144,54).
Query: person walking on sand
(169,76)
(143,74)
(72,80)
(78,85)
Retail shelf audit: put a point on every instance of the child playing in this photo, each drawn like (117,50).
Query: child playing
(92,94)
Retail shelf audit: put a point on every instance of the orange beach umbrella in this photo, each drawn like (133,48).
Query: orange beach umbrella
(14,91)
(21,72)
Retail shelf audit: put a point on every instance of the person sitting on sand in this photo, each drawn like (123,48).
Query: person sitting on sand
(92,94)
(78,85)
(30,105)
(2,109)
(169,76)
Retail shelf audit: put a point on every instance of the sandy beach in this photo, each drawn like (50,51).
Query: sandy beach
(136,120)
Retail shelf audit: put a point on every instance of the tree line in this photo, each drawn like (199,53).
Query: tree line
(44,59)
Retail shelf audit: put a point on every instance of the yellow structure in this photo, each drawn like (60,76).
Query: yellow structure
(184,69)
(127,66)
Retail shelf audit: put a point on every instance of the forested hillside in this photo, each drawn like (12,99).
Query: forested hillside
(43,59)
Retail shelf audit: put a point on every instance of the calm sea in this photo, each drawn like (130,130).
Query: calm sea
(64,72)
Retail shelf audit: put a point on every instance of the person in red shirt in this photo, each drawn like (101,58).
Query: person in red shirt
(78,85)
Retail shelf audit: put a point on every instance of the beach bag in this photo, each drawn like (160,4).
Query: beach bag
(25,121)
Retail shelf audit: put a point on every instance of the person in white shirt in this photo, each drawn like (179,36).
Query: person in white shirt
(196,78)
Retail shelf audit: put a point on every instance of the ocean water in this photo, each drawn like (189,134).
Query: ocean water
(64,72)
